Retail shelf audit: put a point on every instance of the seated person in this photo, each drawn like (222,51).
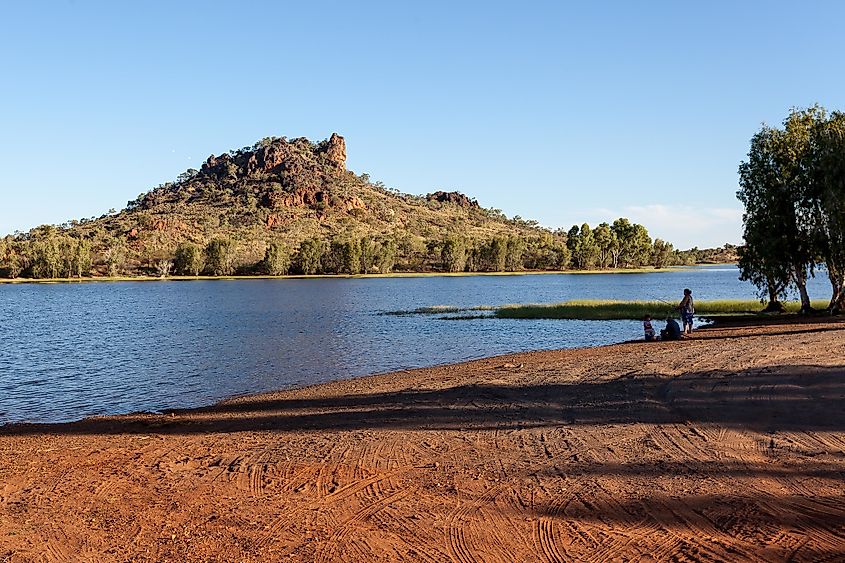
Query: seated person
(672,330)
(649,330)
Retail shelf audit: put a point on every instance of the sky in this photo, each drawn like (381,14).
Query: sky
(561,112)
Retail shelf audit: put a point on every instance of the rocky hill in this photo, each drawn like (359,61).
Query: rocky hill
(280,193)
(284,206)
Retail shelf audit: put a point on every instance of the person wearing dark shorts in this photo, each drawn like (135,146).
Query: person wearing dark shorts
(687,309)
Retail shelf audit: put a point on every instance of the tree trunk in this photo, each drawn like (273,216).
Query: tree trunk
(774,305)
(840,300)
(800,278)
(837,283)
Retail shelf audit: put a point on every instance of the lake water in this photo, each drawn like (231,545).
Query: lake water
(74,350)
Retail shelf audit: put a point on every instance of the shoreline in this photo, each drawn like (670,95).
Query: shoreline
(692,449)
(732,322)
(299,388)
(452,365)
(350,276)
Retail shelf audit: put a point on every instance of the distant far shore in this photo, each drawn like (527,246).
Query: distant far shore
(355,276)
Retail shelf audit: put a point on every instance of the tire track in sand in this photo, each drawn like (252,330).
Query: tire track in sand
(456,542)
(544,527)
(350,525)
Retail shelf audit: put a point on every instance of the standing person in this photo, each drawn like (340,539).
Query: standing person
(687,309)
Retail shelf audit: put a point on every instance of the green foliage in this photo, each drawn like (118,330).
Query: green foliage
(81,261)
(661,253)
(368,254)
(13,259)
(494,255)
(513,256)
(46,258)
(825,169)
(276,259)
(546,252)
(386,256)
(309,256)
(793,188)
(188,260)
(115,256)
(634,244)
(605,240)
(343,257)
(220,257)
(52,254)
(454,254)
(377,255)
(583,246)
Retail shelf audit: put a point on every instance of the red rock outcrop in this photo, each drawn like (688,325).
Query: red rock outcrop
(282,173)
(311,197)
(335,151)
(456,198)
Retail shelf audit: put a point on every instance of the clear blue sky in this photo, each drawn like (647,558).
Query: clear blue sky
(561,112)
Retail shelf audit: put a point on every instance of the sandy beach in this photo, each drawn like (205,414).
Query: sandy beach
(729,446)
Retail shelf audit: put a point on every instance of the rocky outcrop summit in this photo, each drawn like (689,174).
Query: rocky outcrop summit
(335,151)
(456,198)
(273,155)
(275,173)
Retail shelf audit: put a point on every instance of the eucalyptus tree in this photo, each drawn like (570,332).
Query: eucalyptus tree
(309,255)
(188,259)
(277,258)
(661,253)
(780,243)
(825,171)
(606,241)
(515,250)
(220,256)
(79,259)
(453,254)
(634,243)
(494,254)
(385,255)
(762,260)
(369,248)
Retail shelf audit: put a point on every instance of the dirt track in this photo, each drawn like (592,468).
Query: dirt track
(730,446)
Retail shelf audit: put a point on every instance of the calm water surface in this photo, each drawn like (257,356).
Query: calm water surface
(74,350)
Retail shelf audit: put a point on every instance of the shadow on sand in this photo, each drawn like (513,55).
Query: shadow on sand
(782,398)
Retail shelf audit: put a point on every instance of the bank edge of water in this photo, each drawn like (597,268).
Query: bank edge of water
(354,276)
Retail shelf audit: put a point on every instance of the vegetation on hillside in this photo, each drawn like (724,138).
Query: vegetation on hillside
(793,189)
(290,206)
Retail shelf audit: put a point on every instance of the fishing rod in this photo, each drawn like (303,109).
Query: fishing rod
(672,306)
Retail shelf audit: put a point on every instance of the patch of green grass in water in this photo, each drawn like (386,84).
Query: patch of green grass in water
(635,310)
(440,310)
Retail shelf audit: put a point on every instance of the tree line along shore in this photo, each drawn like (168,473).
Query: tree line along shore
(50,252)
